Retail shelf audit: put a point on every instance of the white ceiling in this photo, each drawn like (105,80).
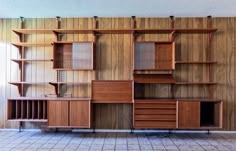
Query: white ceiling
(116,8)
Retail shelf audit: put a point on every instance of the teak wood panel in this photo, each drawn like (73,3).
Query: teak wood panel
(58,113)
(116,67)
(112,91)
(80,114)
(188,114)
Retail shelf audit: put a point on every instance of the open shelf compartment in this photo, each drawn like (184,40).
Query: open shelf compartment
(27,110)
(211,114)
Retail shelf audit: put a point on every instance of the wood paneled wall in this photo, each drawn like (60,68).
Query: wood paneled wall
(114,63)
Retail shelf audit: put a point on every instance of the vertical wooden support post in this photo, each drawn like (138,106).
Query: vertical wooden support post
(93,110)
(172,38)
(172,26)
(133,39)
(21,65)
(22,56)
(58,26)
(209,56)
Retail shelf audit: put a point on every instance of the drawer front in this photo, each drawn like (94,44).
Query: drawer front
(155,124)
(154,114)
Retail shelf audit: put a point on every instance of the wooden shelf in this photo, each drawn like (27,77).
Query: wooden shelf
(114,31)
(31,44)
(196,83)
(58,85)
(154,78)
(30,60)
(29,120)
(23,85)
(27,83)
(196,62)
(32,31)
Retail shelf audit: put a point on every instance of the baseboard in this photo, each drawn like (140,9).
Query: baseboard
(119,130)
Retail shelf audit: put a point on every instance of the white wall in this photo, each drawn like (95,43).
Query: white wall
(116,8)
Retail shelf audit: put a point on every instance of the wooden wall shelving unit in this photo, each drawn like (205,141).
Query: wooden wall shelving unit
(148,112)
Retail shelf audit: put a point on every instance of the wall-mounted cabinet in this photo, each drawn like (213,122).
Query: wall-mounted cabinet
(112,91)
(154,56)
(73,56)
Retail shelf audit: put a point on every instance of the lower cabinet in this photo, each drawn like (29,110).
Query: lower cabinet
(177,114)
(155,114)
(69,113)
(200,114)
(189,114)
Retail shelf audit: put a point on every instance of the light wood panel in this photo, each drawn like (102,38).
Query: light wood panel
(114,63)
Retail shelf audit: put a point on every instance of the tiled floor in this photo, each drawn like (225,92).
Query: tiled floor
(43,141)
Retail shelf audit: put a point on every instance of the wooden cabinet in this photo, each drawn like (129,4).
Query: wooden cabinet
(69,113)
(200,114)
(112,91)
(155,114)
(73,56)
(188,114)
(154,55)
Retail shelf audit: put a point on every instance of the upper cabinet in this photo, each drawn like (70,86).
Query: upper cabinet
(73,56)
(154,55)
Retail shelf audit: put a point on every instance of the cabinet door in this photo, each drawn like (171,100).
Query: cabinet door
(58,113)
(189,114)
(80,114)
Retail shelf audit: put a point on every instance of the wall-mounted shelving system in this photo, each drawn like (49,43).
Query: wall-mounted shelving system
(153,62)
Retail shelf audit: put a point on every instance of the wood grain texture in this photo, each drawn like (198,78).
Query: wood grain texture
(80,114)
(114,63)
(188,115)
(117,91)
(58,113)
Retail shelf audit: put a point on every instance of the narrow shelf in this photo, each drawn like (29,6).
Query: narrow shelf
(154,78)
(78,83)
(73,31)
(23,85)
(195,83)
(29,120)
(179,99)
(114,31)
(30,44)
(32,31)
(30,60)
(26,83)
(58,85)
(196,62)
(20,61)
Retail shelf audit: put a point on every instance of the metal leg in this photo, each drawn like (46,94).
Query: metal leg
(131,130)
(94,118)
(20,126)
(208,132)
